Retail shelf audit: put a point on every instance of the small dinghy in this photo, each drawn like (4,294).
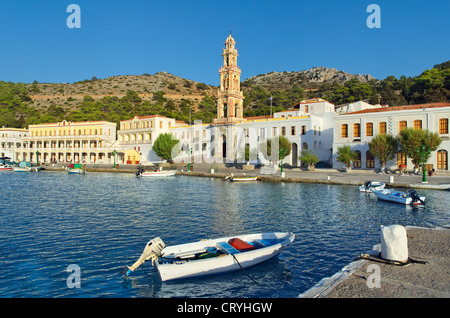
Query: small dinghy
(242,178)
(213,256)
(368,186)
(410,198)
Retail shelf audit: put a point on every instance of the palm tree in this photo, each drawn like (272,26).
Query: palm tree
(346,156)
(384,147)
(309,158)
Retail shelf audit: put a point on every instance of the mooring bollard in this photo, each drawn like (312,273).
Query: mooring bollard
(394,243)
(391,179)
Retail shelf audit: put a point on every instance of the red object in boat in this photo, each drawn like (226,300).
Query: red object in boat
(241,245)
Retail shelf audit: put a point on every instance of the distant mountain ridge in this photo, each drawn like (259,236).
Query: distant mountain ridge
(315,75)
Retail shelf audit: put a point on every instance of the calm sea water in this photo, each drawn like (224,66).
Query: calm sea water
(102,221)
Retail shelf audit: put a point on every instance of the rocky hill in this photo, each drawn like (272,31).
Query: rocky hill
(306,79)
(69,95)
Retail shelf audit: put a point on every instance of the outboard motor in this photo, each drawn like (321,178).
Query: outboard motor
(415,196)
(367,184)
(140,170)
(152,250)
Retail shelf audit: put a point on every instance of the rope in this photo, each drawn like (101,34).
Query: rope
(389,262)
(243,268)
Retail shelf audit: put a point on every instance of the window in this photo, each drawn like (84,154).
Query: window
(401,159)
(370,160)
(443,126)
(383,128)
(292,130)
(357,162)
(401,125)
(303,130)
(262,133)
(344,131)
(306,109)
(160,124)
(417,125)
(283,131)
(369,129)
(274,131)
(442,160)
(357,131)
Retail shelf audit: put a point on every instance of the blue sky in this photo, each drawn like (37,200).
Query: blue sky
(186,38)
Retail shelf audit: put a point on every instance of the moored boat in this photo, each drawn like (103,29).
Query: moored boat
(213,256)
(26,166)
(242,178)
(368,186)
(76,168)
(157,173)
(408,198)
(5,167)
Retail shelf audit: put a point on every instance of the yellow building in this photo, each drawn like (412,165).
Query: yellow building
(83,142)
(137,135)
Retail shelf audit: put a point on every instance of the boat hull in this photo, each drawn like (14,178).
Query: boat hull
(26,169)
(374,186)
(243,179)
(223,263)
(76,171)
(157,174)
(397,197)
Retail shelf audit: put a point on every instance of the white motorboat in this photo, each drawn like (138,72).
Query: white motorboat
(368,186)
(407,198)
(241,178)
(212,256)
(164,173)
(26,166)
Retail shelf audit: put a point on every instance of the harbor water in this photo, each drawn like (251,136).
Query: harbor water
(52,222)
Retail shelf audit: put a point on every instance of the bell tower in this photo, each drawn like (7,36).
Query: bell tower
(230,99)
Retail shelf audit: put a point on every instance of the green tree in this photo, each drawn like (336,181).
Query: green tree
(165,146)
(309,158)
(384,147)
(276,144)
(346,156)
(411,139)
